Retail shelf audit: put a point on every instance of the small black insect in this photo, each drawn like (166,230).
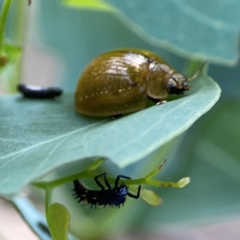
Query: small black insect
(39,92)
(111,196)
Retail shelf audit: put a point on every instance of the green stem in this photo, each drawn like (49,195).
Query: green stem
(20,31)
(62,181)
(48,198)
(89,173)
(3,19)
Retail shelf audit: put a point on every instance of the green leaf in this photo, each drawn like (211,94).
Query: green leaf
(38,136)
(92,4)
(151,197)
(190,28)
(58,221)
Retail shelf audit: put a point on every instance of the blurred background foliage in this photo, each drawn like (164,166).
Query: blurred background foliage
(208,152)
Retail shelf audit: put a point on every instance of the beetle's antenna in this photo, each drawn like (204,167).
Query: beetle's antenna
(198,71)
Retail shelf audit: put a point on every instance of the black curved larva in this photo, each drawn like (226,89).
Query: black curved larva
(39,92)
(110,196)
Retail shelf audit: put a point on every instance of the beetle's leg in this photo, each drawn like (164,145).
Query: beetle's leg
(113,117)
(160,102)
(135,196)
(157,101)
(98,182)
(118,178)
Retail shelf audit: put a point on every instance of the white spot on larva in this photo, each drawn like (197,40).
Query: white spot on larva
(120,90)
(106,91)
(129,88)
(80,99)
(101,92)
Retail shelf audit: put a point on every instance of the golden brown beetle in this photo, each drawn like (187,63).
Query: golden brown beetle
(120,81)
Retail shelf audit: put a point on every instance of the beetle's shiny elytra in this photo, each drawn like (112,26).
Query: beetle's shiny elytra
(120,81)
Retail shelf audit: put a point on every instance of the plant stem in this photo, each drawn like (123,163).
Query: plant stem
(3,19)
(89,172)
(20,32)
(48,198)
(61,181)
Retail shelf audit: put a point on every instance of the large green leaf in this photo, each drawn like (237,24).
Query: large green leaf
(38,136)
(203,29)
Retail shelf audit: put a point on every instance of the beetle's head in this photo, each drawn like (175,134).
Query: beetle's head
(177,84)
